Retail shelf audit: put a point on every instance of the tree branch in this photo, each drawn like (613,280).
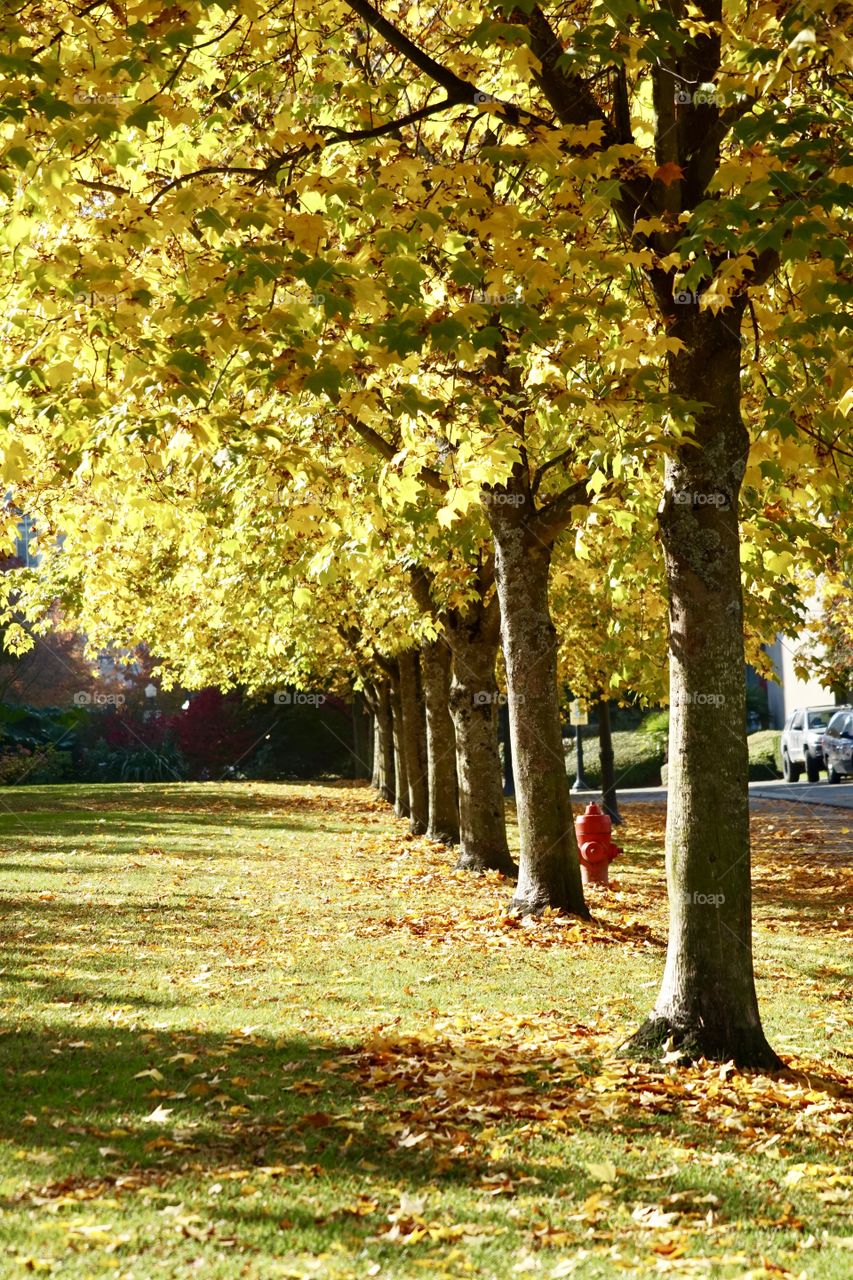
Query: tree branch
(458,90)
(390,126)
(421,581)
(104,186)
(556,515)
(386,450)
(765,264)
(335,136)
(569,95)
(382,446)
(546,466)
(257,174)
(705,159)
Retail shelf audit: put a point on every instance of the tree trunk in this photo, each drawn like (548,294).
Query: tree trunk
(549,870)
(375,761)
(360,737)
(401,773)
(384,735)
(474,703)
(707,1002)
(441,744)
(378,697)
(414,736)
(609,802)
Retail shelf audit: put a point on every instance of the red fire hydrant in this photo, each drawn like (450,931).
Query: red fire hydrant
(596,849)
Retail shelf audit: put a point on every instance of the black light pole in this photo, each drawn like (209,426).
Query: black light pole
(580,783)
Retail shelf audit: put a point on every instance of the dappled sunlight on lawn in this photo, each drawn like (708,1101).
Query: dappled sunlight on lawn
(263,1031)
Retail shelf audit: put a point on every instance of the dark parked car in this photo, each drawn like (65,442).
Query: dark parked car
(837,745)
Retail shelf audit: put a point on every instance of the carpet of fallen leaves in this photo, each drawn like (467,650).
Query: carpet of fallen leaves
(251,1032)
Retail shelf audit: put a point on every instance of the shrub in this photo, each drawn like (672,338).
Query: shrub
(765,755)
(305,742)
(134,764)
(655,722)
(21,765)
(638,758)
(213,733)
(15,763)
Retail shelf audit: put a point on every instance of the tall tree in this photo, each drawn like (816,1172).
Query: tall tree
(688,152)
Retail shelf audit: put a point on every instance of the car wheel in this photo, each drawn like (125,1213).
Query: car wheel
(812,768)
(833,776)
(790,772)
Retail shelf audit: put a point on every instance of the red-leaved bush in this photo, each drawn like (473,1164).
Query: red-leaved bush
(212,734)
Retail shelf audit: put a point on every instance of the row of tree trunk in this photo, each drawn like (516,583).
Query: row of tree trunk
(435,748)
(435,713)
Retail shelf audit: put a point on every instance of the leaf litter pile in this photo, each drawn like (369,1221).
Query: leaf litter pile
(261,1031)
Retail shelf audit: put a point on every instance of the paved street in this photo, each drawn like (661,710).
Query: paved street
(806,794)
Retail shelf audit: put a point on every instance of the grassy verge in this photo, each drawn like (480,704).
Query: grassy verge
(258,1031)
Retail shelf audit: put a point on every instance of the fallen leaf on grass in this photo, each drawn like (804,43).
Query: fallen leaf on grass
(315,1120)
(151,1074)
(651,1215)
(412,1139)
(160,1115)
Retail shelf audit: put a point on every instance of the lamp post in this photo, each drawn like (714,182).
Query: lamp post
(150,701)
(578,717)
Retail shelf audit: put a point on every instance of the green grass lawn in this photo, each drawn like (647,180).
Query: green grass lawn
(253,1030)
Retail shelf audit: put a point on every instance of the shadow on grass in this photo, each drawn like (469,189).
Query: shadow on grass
(97,1105)
(74,824)
(203,798)
(127,813)
(54,991)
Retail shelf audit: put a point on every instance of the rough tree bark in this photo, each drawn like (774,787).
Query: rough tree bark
(385,740)
(549,870)
(440,743)
(379,700)
(474,699)
(401,772)
(414,738)
(707,1003)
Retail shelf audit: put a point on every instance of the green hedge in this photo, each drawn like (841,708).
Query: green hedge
(765,755)
(638,758)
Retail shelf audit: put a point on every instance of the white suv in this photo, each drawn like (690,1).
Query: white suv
(801,742)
